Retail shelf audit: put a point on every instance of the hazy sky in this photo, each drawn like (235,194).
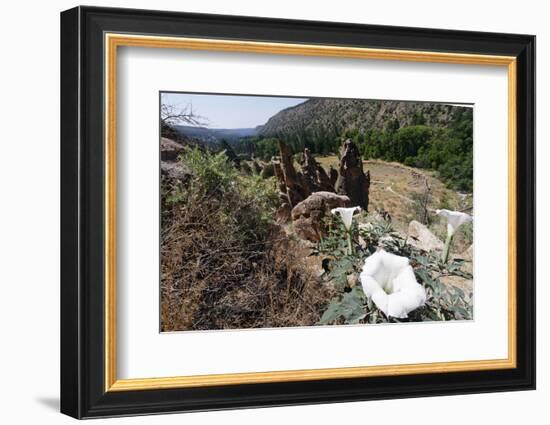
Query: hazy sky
(227,111)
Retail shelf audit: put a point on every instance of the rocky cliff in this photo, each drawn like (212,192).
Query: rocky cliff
(319,116)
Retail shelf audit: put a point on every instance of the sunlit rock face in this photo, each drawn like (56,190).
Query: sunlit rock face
(315,177)
(172,170)
(421,237)
(295,188)
(352,181)
(308,215)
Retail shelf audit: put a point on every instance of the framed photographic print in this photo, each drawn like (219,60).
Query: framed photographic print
(261,212)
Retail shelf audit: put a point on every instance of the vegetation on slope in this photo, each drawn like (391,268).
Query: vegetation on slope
(218,270)
(422,135)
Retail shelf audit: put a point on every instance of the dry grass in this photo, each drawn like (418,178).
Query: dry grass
(213,277)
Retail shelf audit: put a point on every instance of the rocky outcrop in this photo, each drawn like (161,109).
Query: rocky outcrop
(295,186)
(315,176)
(176,171)
(352,181)
(333,176)
(283,212)
(466,285)
(293,181)
(169,149)
(468,255)
(170,167)
(308,216)
(422,238)
(286,249)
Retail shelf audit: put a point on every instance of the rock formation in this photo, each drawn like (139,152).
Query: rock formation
(175,171)
(468,255)
(294,187)
(308,216)
(169,149)
(421,237)
(352,181)
(170,166)
(333,176)
(315,176)
(283,212)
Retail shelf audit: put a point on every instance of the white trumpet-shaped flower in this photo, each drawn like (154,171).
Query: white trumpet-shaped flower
(346,214)
(455,219)
(389,280)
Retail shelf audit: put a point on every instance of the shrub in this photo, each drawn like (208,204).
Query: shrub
(217,257)
(213,171)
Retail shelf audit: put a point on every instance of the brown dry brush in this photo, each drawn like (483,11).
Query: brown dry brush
(223,268)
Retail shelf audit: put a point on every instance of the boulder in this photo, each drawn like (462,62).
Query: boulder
(282,215)
(176,171)
(468,258)
(291,252)
(421,237)
(468,255)
(467,285)
(308,215)
(352,181)
(169,149)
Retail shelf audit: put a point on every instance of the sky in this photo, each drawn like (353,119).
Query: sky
(230,111)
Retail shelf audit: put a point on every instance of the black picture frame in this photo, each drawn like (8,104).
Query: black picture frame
(83,392)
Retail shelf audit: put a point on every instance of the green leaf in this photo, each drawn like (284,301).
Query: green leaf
(350,308)
(331,314)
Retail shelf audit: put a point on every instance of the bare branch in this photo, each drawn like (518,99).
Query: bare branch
(171,115)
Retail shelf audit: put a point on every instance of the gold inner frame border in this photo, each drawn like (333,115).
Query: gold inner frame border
(113,40)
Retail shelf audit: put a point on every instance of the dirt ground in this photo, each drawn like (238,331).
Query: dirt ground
(395,188)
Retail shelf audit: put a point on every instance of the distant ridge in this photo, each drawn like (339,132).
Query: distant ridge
(336,116)
(214,135)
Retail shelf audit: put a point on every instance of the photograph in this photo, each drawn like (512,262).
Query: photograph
(313,211)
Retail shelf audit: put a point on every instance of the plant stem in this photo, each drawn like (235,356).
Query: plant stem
(446,249)
(350,246)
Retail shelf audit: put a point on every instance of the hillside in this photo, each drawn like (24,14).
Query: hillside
(336,116)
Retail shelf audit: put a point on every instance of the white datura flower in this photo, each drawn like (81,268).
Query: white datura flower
(389,280)
(455,219)
(346,214)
